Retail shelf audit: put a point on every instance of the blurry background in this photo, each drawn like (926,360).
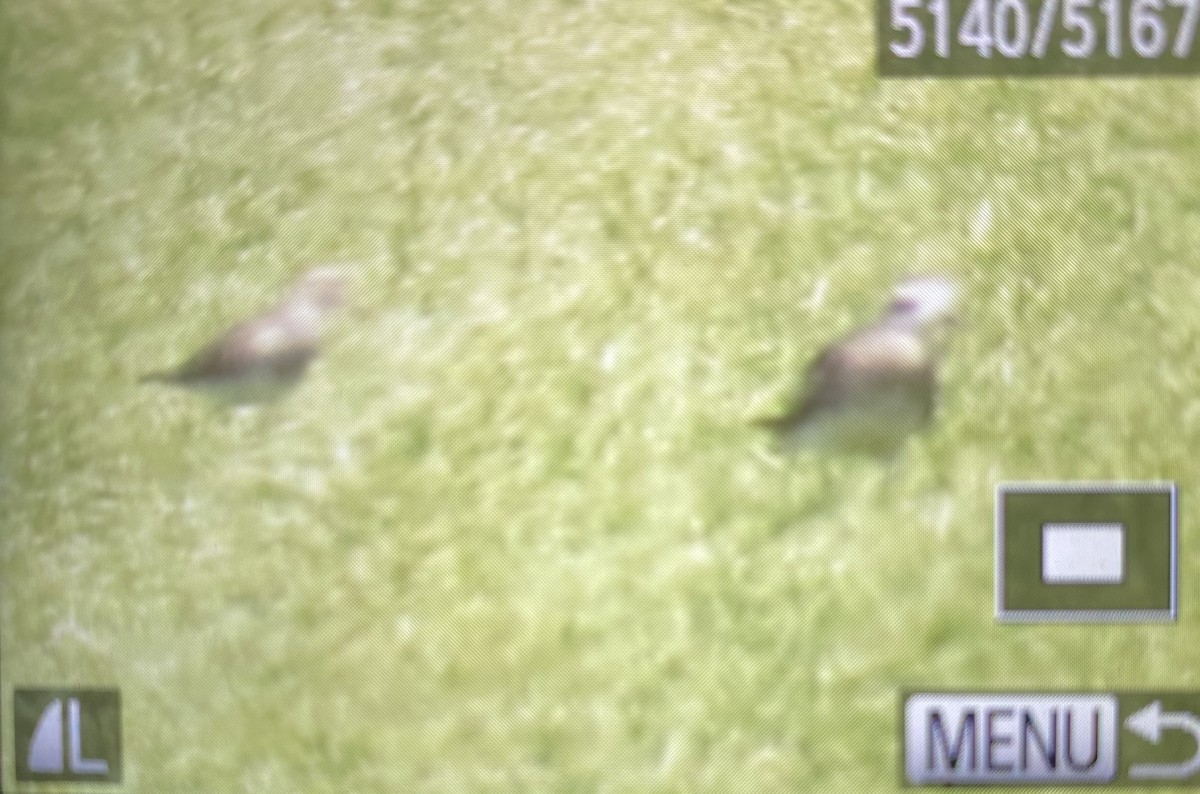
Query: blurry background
(515,531)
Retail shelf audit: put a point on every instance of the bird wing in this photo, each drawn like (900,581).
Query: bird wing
(871,367)
(254,346)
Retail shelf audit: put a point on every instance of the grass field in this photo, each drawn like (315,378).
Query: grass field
(516,531)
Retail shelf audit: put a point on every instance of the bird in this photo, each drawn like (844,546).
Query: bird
(869,391)
(263,357)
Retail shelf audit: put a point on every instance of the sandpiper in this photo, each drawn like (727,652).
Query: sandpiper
(263,357)
(869,391)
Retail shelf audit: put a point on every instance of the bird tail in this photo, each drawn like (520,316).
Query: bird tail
(159,377)
(773,424)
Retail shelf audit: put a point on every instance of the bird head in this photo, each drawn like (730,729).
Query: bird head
(320,290)
(924,303)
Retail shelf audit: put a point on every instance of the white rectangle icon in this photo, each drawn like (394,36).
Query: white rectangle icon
(981,739)
(1083,553)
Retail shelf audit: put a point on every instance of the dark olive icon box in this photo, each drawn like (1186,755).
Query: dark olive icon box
(1087,552)
(67,734)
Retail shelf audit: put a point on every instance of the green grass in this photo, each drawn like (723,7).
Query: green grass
(515,532)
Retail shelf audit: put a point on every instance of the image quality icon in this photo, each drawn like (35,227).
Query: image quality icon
(67,735)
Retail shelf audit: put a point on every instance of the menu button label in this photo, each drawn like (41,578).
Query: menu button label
(981,739)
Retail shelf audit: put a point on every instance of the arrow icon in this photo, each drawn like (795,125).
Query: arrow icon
(1149,723)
